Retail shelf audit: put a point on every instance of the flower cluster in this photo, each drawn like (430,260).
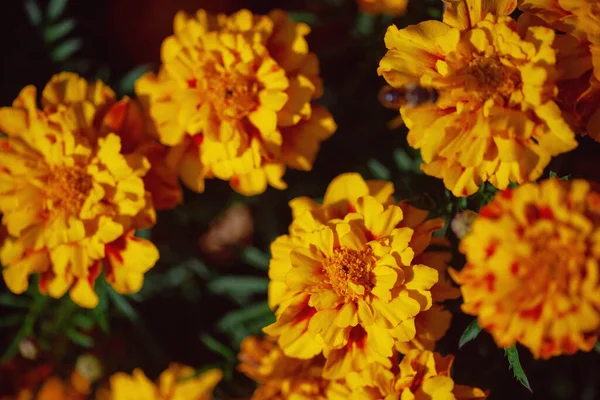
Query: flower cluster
(578,57)
(353,280)
(233,99)
(497,118)
(72,192)
(178,382)
(532,267)
(420,375)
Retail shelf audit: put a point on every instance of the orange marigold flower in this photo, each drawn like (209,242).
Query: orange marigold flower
(532,267)
(578,55)
(394,8)
(423,375)
(496,118)
(178,382)
(353,278)
(233,99)
(281,377)
(71,198)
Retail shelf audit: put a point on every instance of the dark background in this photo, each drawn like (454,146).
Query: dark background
(179,304)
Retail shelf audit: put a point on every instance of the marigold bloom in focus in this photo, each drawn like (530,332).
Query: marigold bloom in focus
(423,375)
(353,279)
(233,99)
(176,383)
(281,377)
(70,196)
(496,118)
(395,8)
(578,53)
(532,267)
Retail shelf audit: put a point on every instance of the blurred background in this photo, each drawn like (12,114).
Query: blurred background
(208,291)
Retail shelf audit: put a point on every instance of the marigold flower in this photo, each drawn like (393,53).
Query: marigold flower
(395,8)
(351,278)
(281,377)
(496,118)
(578,55)
(71,198)
(532,267)
(233,99)
(423,375)
(176,383)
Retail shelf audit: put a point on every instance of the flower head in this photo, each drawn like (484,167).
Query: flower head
(350,280)
(578,53)
(233,99)
(176,383)
(496,118)
(394,8)
(532,267)
(423,375)
(70,196)
(281,377)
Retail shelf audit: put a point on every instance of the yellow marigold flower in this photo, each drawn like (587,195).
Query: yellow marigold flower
(496,118)
(423,375)
(578,56)
(351,279)
(71,198)
(394,8)
(281,377)
(532,267)
(233,99)
(176,383)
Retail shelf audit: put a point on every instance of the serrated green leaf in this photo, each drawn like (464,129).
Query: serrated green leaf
(66,49)
(469,334)
(84,321)
(306,17)
(379,170)
(14,301)
(239,288)
(57,31)
(34,14)
(80,339)
(26,329)
(11,320)
(127,82)
(256,258)
(55,9)
(515,364)
(217,347)
(235,318)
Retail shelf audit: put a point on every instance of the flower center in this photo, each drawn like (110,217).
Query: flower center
(67,189)
(345,266)
(493,77)
(232,94)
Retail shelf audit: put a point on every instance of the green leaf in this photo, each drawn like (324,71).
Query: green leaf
(469,334)
(55,9)
(552,174)
(379,170)
(80,339)
(26,329)
(365,24)
(515,364)
(256,258)
(34,14)
(57,31)
(597,347)
(306,17)
(217,347)
(127,82)
(66,49)
(434,12)
(84,321)
(233,319)
(404,162)
(14,301)
(121,304)
(239,288)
